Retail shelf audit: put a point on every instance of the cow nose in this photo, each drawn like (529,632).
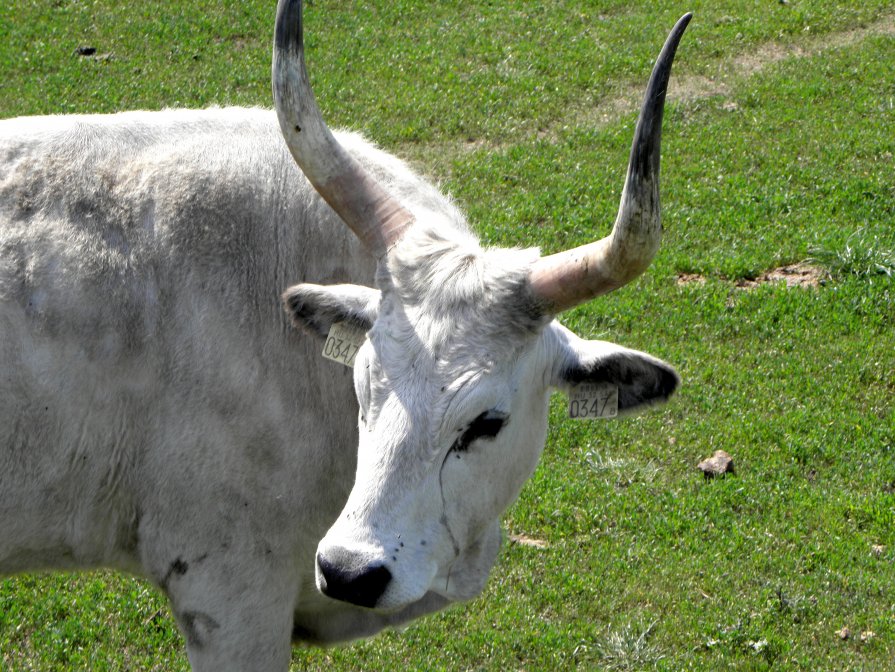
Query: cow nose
(342,578)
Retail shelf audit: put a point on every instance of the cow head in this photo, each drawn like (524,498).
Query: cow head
(462,353)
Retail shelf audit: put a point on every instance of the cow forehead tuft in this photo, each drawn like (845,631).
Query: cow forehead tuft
(450,286)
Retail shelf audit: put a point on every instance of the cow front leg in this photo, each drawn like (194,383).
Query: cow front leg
(239,621)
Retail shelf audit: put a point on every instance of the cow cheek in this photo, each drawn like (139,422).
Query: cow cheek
(488,477)
(475,494)
(469,573)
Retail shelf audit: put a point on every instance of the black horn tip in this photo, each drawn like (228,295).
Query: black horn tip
(288,33)
(679,28)
(671,43)
(647,136)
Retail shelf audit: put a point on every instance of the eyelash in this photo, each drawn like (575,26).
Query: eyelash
(485,426)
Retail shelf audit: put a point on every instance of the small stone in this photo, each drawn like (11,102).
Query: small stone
(719,464)
(844,633)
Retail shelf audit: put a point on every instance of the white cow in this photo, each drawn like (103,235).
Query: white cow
(160,415)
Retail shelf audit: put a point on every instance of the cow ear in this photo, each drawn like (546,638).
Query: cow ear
(317,307)
(642,380)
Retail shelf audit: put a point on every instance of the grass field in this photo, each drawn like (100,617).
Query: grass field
(779,149)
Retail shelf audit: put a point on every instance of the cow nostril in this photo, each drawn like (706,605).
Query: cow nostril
(361,585)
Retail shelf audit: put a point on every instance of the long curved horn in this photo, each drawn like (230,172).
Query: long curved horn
(566,279)
(376,217)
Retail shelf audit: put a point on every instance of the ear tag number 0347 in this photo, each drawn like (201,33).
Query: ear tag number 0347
(590,401)
(343,342)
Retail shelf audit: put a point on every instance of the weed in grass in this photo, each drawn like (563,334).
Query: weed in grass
(625,471)
(864,255)
(746,638)
(628,648)
(795,606)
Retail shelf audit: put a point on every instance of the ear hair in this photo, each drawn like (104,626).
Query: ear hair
(315,308)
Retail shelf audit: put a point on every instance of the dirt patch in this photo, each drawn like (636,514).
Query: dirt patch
(690,279)
(689,88)
(239,42)
(525,540)
(768,54)
(796,275)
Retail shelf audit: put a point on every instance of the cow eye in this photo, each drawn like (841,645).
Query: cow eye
(485,426)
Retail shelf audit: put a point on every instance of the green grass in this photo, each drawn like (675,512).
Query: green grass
(778,147)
